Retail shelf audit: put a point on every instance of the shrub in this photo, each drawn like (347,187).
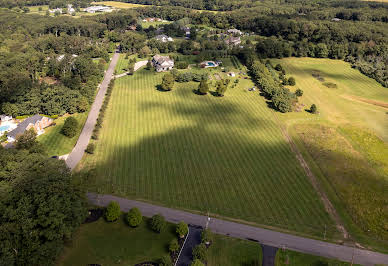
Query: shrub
(112,212)
(206,236)
(181,65)
(279,67)
(203,87)
(200,252)
(134,217)
(182,229)
(70,127)
(197,262)
(174,245)
(90,148)
(157,223)
(299,92)
(165,261)
(291,81)
(313,109)
(167,82)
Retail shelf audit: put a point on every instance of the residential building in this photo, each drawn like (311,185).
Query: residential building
(233,40)
(163,38)
(235,32)
(162,63)
(37,122)
(94,9)
(5,118)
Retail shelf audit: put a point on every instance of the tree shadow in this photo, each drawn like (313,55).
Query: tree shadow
(159,88)
(197,92)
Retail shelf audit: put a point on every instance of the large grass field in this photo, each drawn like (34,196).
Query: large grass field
(203,153)
(55,142)
(346,144)
(116,4)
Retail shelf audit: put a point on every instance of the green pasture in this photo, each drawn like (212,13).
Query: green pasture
(203,153)
(346,143)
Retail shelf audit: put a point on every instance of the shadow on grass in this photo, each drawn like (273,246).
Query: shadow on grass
(159,88)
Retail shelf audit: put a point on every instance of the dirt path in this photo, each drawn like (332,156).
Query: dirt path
(314,181)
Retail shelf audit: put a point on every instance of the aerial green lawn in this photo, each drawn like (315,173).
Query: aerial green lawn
(122,64)
(225,155)
(115,243)
(293,258)
(346,145)
(228,251)
(55,142)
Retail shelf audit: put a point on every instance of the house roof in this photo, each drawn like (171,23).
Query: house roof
(233,39)
(23,125)
(162,59)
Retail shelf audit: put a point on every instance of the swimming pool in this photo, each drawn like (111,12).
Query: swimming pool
(4,128)
(210,64)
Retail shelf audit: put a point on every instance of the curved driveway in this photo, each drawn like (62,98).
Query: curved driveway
(263,236)
(78,151)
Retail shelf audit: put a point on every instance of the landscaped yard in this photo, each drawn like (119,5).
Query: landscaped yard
(227,251)
(224,155)
(116,243)
(55,142)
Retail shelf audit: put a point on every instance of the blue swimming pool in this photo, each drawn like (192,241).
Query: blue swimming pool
(210,64)
(4,128)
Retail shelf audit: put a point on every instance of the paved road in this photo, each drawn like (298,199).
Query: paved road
(263,236)
(193,239)
(269,254)
(76,154)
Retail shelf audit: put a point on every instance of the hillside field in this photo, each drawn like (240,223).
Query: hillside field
(203,153)
(346,144)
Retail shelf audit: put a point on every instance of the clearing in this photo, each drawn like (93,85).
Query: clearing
(203,153)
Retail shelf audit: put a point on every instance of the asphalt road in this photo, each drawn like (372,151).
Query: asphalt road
(263,236)
(78,151)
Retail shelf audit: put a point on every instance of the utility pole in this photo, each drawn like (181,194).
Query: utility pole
(352,257)
(324,234)
(208,220)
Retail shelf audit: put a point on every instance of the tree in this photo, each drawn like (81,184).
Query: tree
(291,81)
(90,148)
(167,82)
(165,261)
(174,245)
(203,87)
(41,210)
(70,127)
(197,262)
(222,86)
(131,68)
(83,104)
(206,236)
(112,212)
(134,217)
(278,67)
(299,92)
(157,223)
(149,65)
(200,252)
(27,140)
(313,109)
(182,229)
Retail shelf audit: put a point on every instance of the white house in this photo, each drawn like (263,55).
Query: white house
(235,32)
(94,9)
(59,10)
(37,122)
(162,63)
(5,118)
(163,38)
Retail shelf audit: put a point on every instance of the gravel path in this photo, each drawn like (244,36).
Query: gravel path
(263,236)
(78,151)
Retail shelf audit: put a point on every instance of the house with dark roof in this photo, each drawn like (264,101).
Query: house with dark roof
(37,122)
(162,63)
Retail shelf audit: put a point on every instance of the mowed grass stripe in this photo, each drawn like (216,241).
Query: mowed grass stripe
(226,155)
